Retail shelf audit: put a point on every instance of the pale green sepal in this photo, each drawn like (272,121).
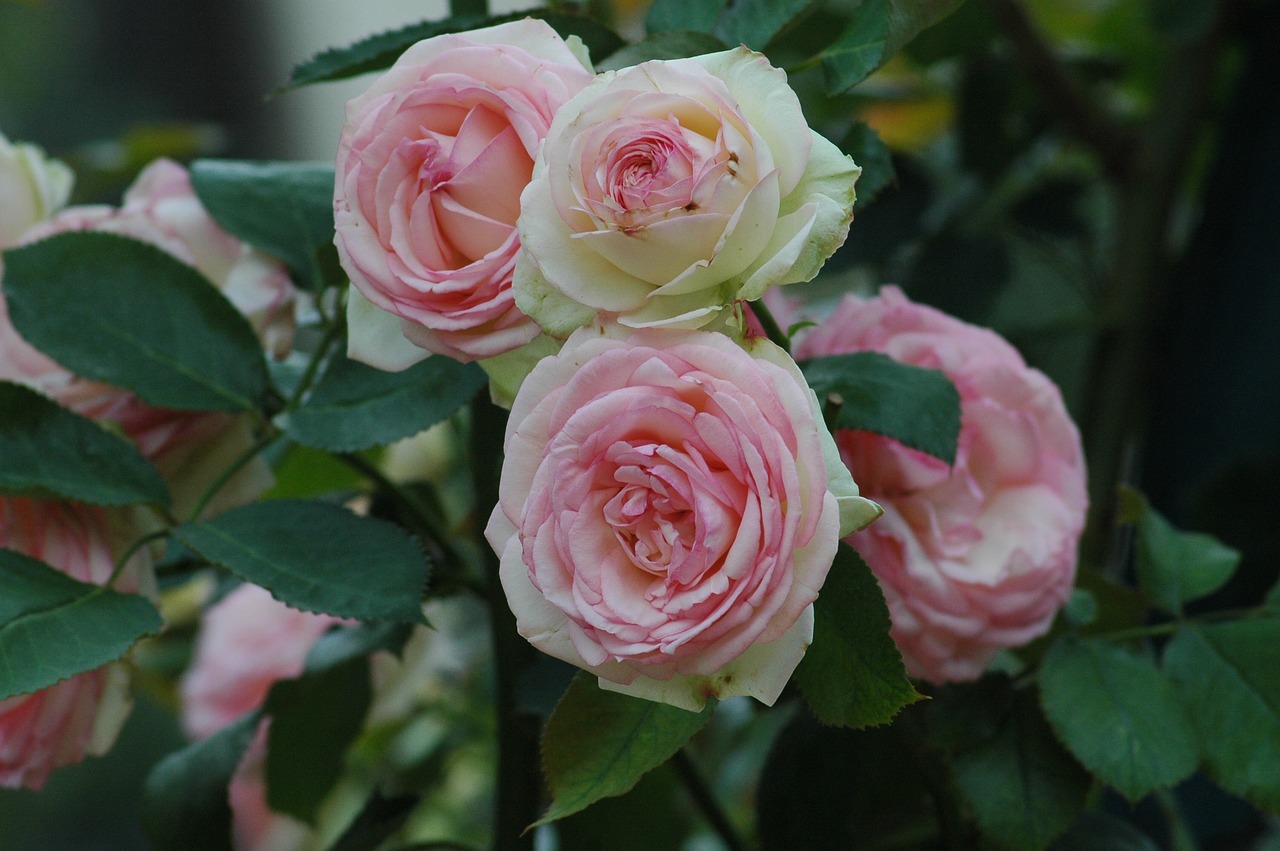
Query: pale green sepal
(508,370)
(374,336)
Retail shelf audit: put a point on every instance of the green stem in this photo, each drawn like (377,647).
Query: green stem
(248,455)
(129,553)
(519,778)
(317,357)
(702,795)
(770,325)
(1180,835)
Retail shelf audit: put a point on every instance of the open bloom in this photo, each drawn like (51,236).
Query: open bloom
(189,448)
(431,164)
(981,556)
(81,715)
(669,507)
(666,191)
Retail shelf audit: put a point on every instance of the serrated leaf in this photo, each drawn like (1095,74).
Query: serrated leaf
(852,675)
(755,22)
(1175,567)
(695,15)
(314,719)
(1021,786)
(53,627)
(381,51)
(355,406)
(877,30)
(916,406)
(598,744)
(668,44)
(1118,715)
(317,557)
(122,311)
(339,646)
(47,451)
(283,208)
(869,151)
(1229,682)
(185,805)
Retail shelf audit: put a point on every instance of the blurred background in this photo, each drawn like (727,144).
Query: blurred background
(996,213)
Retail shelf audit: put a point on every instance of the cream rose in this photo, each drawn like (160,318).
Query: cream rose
(430,167)
(32,186)
(979,556)
(666,191)
(669,508)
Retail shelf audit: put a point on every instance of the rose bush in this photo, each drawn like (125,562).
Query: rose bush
(981,556)
(79,716)
(189,448)
(669,507)
(247,642)
(430,167)
(666,191)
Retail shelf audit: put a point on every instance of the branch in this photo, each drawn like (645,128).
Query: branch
(1082,116)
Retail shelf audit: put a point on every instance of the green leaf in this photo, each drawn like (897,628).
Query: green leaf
(1180,20)
(1021,786)
(913,405)
(852,675)
(695,15)
(121,311)
(340,646)
(755,22)
(355,406)
(314,719)
(53,627)
(876,31)
(1099,831)
(185,805)
(1118,715)
(668,44)
(381,51)
(1229,681)
(1175,567)
(47,452)
(598,744)
(317,557)
(285,209)
(865,146)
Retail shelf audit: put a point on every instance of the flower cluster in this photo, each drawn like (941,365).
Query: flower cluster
(671,500)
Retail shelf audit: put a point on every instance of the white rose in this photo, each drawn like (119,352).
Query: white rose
(32,186)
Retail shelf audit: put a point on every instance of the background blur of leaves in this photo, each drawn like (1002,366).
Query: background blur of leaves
(989,205)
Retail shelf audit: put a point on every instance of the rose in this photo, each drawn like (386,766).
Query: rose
(980,556)
(33,188)
(161,208)
(431,164)
(247,642)
(666,191)
(665,518)
(81,715)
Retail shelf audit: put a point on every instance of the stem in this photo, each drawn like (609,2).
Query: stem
(770,325)
(1180,834)
(519,779)
(697,786)
(1080,114)
(128,554)
(218,483)
(317,357)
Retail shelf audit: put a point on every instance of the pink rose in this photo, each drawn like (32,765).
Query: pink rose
(667,191)
(430,168)
(980,556)
(190,448)
(665,519)
(81,715)
(247,642)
